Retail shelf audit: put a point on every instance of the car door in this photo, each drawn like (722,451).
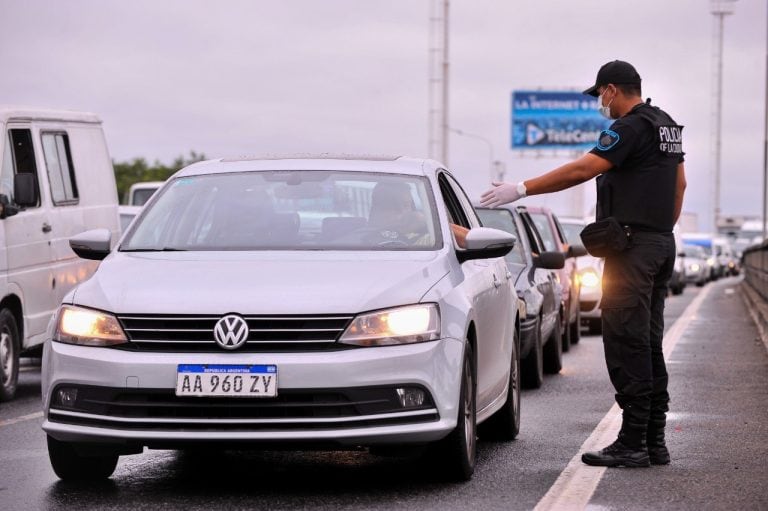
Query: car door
(544,280)
(28,235)
(491,293)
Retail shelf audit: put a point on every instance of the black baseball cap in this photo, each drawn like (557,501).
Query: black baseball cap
(617,72)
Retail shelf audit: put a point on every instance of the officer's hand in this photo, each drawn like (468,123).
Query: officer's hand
(501,193)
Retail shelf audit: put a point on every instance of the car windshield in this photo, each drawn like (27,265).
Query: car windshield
(545,229)
(572,232)
(290,210)
(693,251)
(502,219)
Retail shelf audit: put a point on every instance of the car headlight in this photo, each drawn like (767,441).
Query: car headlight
(695,267)
(87,327)
(589,278)
(711,261)
(400,325)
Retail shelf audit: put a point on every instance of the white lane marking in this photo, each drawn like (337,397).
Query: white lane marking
(577,483)
(31,416)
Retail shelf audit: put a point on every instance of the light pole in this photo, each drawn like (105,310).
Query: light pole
(492,164)
(765,145)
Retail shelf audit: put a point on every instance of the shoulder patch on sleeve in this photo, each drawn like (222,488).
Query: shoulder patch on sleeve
(607,139)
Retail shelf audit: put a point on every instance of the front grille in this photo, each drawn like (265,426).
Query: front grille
(291,409)
(188,333)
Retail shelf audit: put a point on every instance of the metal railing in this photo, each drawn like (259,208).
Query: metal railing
(755,264)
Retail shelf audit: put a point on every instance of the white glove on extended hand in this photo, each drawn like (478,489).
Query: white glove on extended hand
(502,193)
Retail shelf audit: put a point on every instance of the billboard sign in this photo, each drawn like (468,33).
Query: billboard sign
(555,120)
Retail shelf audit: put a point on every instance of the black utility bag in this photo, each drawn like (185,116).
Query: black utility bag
(605,237)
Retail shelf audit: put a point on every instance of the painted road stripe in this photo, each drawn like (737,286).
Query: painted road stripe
(575,486)
(31,416)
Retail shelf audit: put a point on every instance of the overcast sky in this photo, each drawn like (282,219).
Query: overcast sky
(230,78)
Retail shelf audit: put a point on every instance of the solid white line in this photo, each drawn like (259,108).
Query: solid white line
(575,486)
(31,416)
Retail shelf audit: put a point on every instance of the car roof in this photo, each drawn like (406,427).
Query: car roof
(22,113)
(147,184)
(382,164)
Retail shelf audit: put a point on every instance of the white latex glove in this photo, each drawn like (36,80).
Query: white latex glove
(502,193)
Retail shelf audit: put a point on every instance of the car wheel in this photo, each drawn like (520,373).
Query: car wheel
(565,332)
(576,327)
(10,348)
(456,454)
(69,465)
(595,326)
(505,423)
(553,350)
(533,365)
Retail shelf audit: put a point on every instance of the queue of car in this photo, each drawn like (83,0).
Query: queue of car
(303,302)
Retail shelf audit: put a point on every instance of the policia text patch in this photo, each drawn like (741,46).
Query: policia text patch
(670,139)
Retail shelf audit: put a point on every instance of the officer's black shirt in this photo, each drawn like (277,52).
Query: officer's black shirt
(640,188)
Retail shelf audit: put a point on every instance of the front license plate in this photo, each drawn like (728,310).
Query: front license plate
(226,380)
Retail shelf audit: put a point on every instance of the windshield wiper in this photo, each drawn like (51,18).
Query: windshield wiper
(164,249)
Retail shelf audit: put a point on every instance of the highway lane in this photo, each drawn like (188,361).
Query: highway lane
(556,420)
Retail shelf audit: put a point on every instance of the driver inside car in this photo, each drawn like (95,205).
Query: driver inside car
(394,216)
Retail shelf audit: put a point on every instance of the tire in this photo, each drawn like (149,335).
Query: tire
(565,331)
(69,465)
(576,327)
(533,364)
(10,350)
(505,423)
(455,455)
(553,351)
(595,326)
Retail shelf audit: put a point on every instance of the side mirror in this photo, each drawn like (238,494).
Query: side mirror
(549,260)
(486,243)
(576,250)
(94,244)
(25,189)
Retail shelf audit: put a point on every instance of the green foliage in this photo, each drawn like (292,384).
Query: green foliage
(138,169)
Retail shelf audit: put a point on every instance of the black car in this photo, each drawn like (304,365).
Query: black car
(531,265)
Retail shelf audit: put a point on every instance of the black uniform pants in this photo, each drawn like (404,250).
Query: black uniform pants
(634,289)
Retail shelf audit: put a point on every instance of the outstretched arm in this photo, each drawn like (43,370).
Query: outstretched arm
(680,190)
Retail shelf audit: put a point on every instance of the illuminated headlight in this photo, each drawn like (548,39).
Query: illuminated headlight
(695,267)
(401,325)
(711,261)
(589,278)
(87,327)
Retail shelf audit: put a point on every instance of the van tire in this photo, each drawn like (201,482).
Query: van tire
(10,349)
(69,465)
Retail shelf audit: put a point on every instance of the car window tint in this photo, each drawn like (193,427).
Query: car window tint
(466,204)
(537,245)
(503,220)
(572,232)
(61,173)
(542,224)
(22,151)
(456,213)
(290,210)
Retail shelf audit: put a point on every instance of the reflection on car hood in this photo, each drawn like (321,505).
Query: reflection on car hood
(260,282)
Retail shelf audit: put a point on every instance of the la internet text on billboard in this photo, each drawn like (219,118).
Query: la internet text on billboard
(555,120)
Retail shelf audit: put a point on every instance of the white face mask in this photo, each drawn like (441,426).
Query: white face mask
(605,111)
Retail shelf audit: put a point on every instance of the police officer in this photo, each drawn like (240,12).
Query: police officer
(640,174)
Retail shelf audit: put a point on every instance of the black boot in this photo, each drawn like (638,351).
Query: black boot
(628,450)
(657,448)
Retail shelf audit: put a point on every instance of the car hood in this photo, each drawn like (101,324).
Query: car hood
(260,283)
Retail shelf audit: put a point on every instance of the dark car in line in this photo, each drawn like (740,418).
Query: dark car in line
(555,240)
(533,271)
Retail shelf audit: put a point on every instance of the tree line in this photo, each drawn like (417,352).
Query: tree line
(139,169)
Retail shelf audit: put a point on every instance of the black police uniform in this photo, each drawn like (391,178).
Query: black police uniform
(645,148)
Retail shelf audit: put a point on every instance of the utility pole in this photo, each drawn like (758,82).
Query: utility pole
(719,9)
(438,80)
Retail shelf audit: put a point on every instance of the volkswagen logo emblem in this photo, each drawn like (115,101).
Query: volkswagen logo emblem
(231,332)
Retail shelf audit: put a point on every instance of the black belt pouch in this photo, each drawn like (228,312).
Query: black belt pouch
(605,237)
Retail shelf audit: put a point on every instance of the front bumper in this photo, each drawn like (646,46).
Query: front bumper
(589,301)
(434,366)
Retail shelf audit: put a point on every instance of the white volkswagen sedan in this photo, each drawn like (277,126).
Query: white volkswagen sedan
(303,302)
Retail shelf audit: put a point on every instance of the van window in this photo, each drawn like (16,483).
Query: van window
(19,157)
(61,174)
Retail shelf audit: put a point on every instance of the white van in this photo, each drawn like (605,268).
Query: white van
(141,192)
(56,180)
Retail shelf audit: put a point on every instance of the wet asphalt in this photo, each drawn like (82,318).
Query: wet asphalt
(718,436)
